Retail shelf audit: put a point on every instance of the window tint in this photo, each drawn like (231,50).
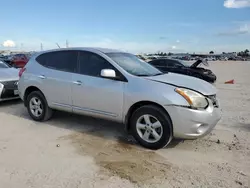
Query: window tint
(62,60)
(91,64)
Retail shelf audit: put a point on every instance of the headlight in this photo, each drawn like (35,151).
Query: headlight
(195,100)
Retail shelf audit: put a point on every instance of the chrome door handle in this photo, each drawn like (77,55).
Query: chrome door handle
(41,76)
(77,82)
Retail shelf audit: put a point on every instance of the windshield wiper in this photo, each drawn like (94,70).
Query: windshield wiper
(159,74)
(143,75)
(151,74)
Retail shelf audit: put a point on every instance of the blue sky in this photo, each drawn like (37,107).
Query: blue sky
(131,25)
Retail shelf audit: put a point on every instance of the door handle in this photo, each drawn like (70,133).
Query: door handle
(41,76)
(77,83)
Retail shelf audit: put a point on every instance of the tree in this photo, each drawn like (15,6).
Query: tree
(223,52)
(212,52)
(244,53)
(240,53)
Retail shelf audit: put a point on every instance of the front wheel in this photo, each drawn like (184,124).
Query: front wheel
(37,107)
(151,127)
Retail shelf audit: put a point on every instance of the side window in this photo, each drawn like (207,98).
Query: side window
(171,63)
(155,62)
(158,63)
(61,60)
(91,64)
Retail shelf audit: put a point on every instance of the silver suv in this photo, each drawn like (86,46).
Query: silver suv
(117,86)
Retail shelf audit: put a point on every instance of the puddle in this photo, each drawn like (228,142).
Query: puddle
(120,157)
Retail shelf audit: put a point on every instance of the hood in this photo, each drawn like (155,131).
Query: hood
(189,82)
(197,63)
(7,74)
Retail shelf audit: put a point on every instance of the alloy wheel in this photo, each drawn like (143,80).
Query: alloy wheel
(149,128)
(36,107)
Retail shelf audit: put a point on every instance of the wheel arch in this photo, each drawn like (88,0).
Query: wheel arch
(29,90)
(138,105)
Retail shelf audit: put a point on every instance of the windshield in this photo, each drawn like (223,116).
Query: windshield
(3,65)
(186,63)
(134,65)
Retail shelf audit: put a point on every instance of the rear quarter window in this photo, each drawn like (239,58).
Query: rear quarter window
(61,60)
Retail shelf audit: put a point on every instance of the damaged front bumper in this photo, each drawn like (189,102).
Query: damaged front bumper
(190,123)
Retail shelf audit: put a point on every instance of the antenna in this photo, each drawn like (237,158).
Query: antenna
(58,45)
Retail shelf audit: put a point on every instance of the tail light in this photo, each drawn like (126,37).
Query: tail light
(22,70)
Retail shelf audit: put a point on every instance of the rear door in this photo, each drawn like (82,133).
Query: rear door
(56,77)
(94,95)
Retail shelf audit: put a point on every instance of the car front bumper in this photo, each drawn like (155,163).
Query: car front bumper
(191,124)
(8,92)
(210,78)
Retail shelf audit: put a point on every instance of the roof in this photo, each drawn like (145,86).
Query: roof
(93,49)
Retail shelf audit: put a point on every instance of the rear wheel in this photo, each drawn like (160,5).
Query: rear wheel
(151,127)
(37,106)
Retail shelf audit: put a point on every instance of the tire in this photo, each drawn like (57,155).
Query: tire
(46,110)
(155,113)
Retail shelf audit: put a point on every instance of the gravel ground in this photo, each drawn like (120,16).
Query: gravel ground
(72,151)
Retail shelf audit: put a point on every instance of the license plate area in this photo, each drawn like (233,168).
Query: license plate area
(16,92)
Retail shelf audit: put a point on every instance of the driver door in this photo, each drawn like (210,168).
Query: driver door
(94,95)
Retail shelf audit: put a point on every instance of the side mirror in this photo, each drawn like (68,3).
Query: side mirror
(108,73)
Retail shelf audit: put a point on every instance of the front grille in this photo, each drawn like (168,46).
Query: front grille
(10,85)
(8,89)
(214,100)
(8,93)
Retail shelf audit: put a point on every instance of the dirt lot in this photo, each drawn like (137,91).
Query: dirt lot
(72,151)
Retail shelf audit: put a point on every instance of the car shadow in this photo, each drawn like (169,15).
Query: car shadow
(10,103)
(89,125)
(86,125)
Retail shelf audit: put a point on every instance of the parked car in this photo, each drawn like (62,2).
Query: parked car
(117,86)
(8,82)
(18,60)
(180,67)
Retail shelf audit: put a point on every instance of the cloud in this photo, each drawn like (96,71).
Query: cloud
(244,29)
(173,47)
(9,43)
(178,41)
(236,3)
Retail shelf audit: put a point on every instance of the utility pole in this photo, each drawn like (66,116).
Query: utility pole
(67,44)
(58,45)
(41,46)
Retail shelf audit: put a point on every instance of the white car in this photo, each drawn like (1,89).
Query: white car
(8,82)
